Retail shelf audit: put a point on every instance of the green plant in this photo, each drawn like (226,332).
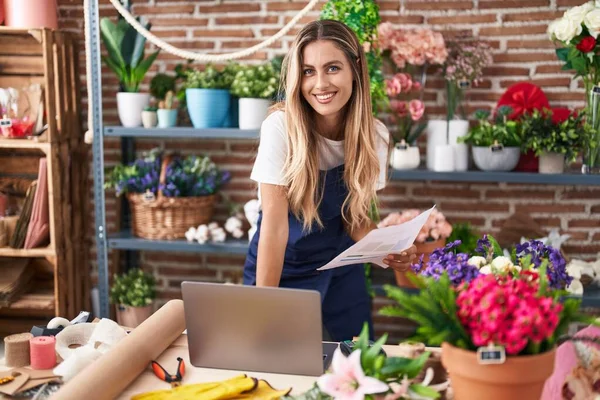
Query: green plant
(211,77)
(362,16)
(542,134)
(167,103)
(161,84)
(467,236)
(150,108)
(125,48)
(256,82)
(134,288)
(501,131)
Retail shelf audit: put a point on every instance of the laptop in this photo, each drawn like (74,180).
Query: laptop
(261,329)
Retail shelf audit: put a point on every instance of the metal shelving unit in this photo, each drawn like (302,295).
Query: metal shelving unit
(124,240)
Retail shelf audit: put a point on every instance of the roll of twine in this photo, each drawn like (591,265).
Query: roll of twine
(16,349)
(43,355)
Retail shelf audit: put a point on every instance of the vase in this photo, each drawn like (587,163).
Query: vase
(252,112)
(490,159)
(132,317)
(404,156)
(423,249)
(149,119)
(440,134)
(208,108)
(552,163)
(130,107)
(591,149)
(166,118)
(519,377)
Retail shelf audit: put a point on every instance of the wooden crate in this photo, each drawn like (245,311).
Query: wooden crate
(50,58)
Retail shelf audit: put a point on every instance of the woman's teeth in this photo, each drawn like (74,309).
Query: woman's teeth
(324,97)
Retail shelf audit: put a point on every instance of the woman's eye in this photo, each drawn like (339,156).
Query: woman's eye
(307,71)
(333,68)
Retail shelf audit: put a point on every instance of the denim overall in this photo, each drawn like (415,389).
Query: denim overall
(344,298)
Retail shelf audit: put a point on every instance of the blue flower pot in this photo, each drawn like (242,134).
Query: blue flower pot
(233,115)
(166,118)
(208,108)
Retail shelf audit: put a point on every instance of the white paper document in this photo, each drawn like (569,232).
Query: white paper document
(378,243)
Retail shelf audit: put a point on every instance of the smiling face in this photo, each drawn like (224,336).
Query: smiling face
(327,79)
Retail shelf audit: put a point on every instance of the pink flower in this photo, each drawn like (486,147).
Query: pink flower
(416,86)
(416,108)
(392,87)
(347,380)
(405,81)
(400,108)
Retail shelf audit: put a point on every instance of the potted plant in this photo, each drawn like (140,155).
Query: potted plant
(554,141)
(362,16)
(367,372)
(498,330)
(207,95)
(255,86)
(125,49)
(168,193)
(133,293)
(149,118)
(496,144)
(162,88)
(432,235)
(463,68)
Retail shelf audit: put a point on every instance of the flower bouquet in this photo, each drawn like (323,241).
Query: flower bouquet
(498,324)
(368,374)
(432,235)
(577,31)
(168,194)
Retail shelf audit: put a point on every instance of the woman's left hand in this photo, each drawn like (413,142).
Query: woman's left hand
(402,262)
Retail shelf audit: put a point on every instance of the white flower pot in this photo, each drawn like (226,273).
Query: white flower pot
(405,157)
(488,159)
(149,119)
(252,112)
(130,107)
(437,136)
(552,163)
(444,158)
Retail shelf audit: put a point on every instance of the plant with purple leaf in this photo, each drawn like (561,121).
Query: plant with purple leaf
(537,253)
(447,260)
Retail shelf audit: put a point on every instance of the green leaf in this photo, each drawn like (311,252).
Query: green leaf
(144,66)
(496,246)
(424,391)
(562,54)
(112,38)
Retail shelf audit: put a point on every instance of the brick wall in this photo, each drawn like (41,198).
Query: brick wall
(514,28)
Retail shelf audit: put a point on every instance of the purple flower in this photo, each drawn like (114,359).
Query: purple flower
(557,265)
(446,260)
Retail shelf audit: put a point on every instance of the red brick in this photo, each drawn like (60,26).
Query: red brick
(532,16)
(523,57)
(475,221)
(167,33)
(187,272)
(158,257)
(388,6)
(158,22)
(566,96)
(271,31)
(513,30)
(194,45)
(577,235)
(246,7)
(462,19)
(392,189)
(249,185)
(438,5)
(581,194)
(584,223)
(240,174)
(246,20)
(224,33)
(487,4)
(547,82)
(529,44)
(569,3)
(244,44)
(445,192)
(483,96)
(548,222)
(170,9)
(474,207)
(596,237)
(225,260)
(243,147)
(506,71)
(304,20)
(577,249)
(168,294)
(550,208)
(198,145)
(595,209)
(286,6)
(403,19)
(548,69)
(519,194)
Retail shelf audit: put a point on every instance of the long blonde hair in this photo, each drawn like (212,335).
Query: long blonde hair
(301,170)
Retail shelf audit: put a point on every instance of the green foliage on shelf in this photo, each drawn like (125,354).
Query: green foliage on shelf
(211,77)
(134,288)
(256,81)
(500,130)
(162,84)
(467,236)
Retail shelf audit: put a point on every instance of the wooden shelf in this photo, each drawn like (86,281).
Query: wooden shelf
(24,144)
(37,304)
(39,252)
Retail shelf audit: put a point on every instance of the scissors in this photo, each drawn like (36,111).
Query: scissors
(162,374)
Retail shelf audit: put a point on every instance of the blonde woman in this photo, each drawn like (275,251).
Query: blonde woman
(321,159)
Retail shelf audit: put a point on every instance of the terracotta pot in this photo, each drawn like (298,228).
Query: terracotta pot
(424,249)
(131,317)
(520,377)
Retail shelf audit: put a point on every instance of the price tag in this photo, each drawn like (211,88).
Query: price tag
(5,123)
(149,196)
(464,84)
(401,146)
(596,90)
(496,147)
(491,355)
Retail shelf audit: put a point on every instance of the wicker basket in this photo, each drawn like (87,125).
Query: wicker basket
(160,217)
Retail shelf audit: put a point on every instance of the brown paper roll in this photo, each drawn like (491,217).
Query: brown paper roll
(113,372)
(16,348)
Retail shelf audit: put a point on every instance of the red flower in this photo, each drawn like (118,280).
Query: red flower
(587,44)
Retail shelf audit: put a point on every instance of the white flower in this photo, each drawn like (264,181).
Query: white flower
(485,270)
(565,30)
(212,225)
(190,234)
(251,209)
(218,235)
(578,13)
(477,261)
(232,224)
(502,264)
(238,233)
(574,270)
(575,287)
(592,22)
(202,234)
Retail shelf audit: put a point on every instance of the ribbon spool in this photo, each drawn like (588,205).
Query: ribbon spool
(43,355)
(16,349)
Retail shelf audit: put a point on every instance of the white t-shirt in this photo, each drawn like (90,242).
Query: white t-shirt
(273,150)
